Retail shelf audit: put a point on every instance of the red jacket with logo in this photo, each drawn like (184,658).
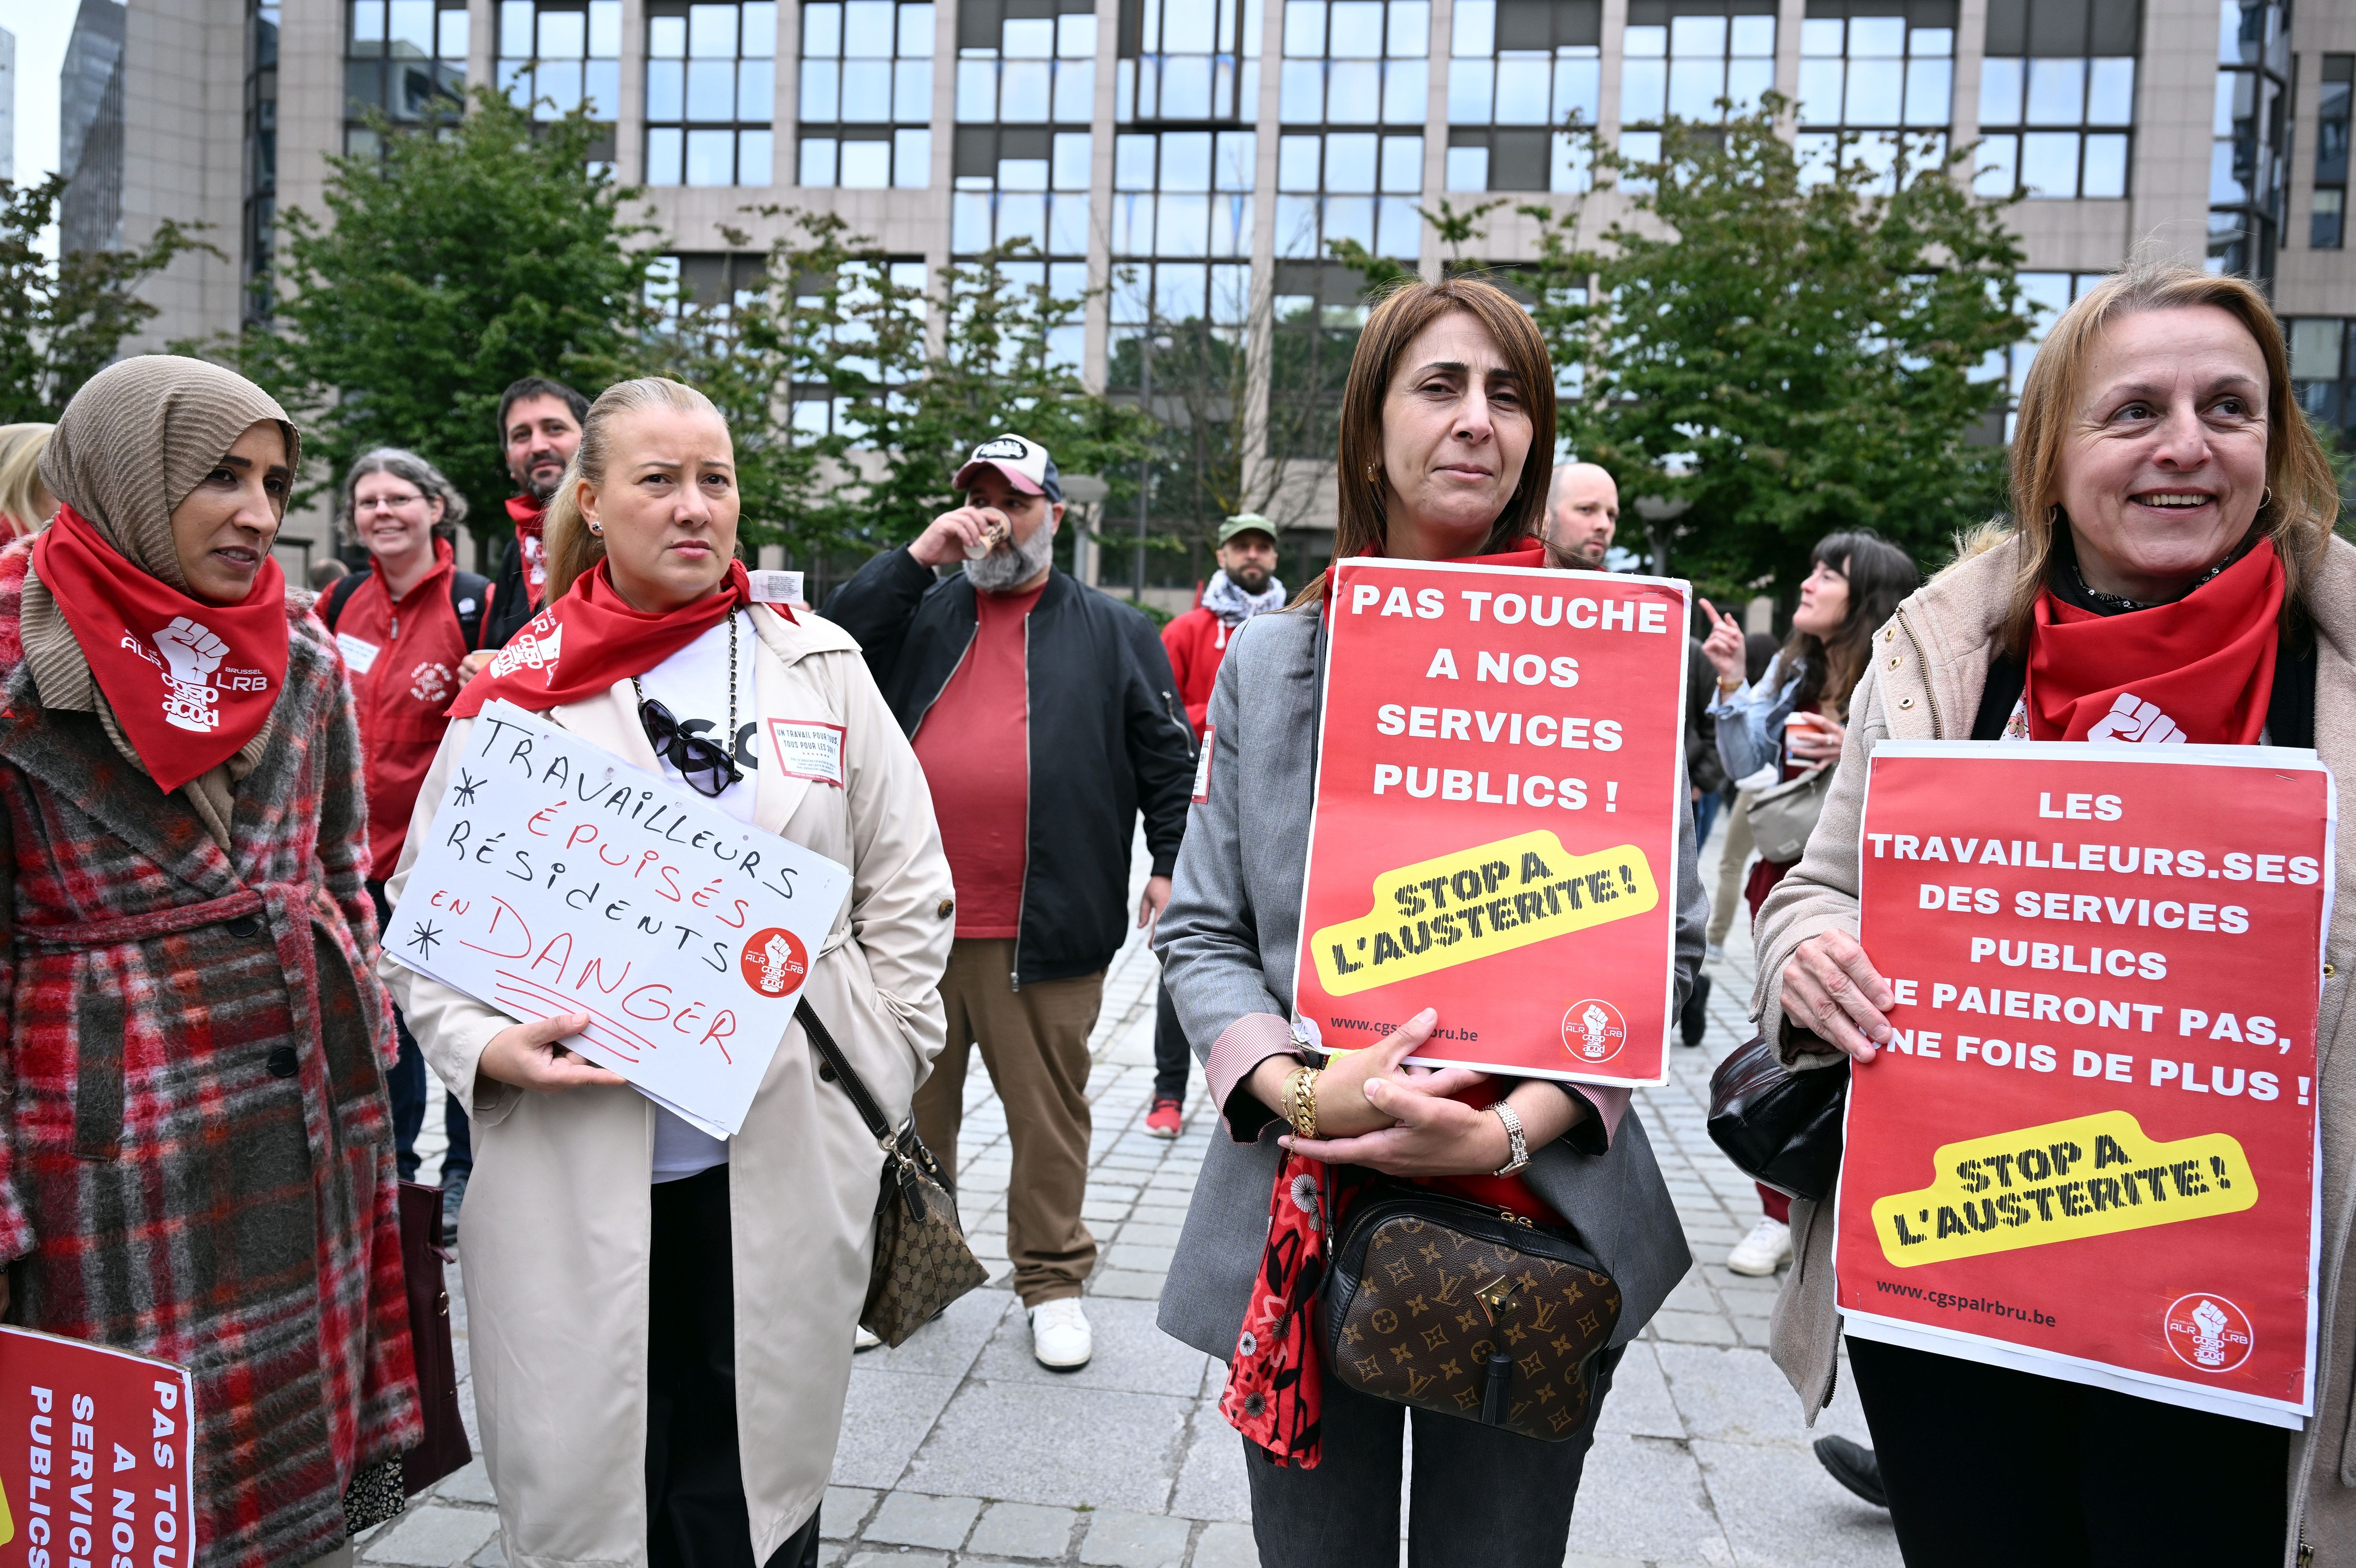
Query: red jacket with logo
(403,660)
(1197,641)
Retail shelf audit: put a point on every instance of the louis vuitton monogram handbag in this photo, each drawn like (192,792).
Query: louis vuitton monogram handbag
(922,1262)
(1462,1310)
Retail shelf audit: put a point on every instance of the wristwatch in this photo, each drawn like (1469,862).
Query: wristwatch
(1520,1149)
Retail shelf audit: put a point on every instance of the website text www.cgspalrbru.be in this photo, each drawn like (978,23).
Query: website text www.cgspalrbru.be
(1949,1301)
(1378,1029)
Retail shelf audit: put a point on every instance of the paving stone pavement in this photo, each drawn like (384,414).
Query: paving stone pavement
(958,1448)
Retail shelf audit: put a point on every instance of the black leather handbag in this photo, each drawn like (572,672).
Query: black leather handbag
(1781,1128)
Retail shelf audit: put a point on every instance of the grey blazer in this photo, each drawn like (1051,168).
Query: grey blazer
(1227,945)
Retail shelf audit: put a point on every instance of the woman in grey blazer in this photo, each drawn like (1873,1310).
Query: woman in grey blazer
(1446,441)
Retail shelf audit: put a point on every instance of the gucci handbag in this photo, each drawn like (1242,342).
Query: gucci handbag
(1781,1128)
(922,1262)
(1468,1311)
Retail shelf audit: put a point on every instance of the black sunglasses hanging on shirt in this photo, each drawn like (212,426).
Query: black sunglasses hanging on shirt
(705,765)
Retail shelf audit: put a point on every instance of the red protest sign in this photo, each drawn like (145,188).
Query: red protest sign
(1495,829)
(99,1466)
(2091,1151)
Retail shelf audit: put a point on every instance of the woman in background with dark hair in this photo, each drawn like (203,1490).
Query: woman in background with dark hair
(1853,584)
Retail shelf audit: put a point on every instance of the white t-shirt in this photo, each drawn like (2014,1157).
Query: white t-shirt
(693,684)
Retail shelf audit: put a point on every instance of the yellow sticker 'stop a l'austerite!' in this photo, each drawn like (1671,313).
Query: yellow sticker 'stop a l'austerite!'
(1471,903)
(2090,1176)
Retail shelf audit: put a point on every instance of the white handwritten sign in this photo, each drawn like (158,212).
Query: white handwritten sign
(560,878)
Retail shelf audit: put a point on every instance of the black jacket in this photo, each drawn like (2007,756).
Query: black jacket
(1107,739)
(510,605)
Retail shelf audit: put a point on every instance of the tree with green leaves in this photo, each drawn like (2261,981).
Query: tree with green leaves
(453,260)
(1762,357)
(62,321)
(862,389)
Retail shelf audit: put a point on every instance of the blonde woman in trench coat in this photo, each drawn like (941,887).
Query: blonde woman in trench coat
(555,1250)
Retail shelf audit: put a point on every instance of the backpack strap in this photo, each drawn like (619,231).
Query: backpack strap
(341,594)
(470,601)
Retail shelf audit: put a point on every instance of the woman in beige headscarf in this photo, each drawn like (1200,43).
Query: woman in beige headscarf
(199,1164)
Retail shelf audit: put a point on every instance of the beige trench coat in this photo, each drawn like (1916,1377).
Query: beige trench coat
(554,1247)
(1930,662)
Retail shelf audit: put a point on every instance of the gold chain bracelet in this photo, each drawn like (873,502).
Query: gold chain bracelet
(1300,1100)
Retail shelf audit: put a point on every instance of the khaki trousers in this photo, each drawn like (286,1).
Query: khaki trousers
(1737,852)
(1035,1041)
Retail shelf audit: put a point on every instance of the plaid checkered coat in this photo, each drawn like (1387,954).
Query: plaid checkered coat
(198,1159)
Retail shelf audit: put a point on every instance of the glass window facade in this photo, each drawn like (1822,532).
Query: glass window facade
(260,209)
(2057,97)
(1350,64)
(2247,167)
(1678,58)
(406,60)
(1882,68)
(2327,223)
(1518,72)
(1020,63)
(1019,182)
(2322,374)
(711,91)
(1189,60)
(866,99)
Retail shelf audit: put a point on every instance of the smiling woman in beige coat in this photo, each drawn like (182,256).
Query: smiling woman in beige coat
(2164,483)
(661,1322)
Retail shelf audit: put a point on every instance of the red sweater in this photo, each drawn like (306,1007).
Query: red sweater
(1197,641)
(411,652)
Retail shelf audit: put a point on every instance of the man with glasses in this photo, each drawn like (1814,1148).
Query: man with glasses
(405,624)
(1045,717)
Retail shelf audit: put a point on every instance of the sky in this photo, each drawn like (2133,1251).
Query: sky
(42,28)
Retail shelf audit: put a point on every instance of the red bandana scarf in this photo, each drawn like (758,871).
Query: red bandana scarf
(2127,677)
(190,682)
(597,639)
(1275,1392)
(531,545)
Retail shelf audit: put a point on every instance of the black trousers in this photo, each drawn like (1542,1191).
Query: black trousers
(1480,1498)
(695,1484)
(1172,1056)
(1985,1464)
(405,1086)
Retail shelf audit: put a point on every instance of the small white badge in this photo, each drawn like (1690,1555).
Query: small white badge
(776,587)
(808,749)
(361,656)
(1203,765)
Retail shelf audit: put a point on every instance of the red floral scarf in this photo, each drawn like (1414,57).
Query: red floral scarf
(2198,670)
(190,682)
(583,643)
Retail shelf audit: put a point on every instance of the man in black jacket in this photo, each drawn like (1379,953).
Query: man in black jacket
(1047,719)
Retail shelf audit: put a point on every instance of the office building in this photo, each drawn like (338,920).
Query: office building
(1197,155)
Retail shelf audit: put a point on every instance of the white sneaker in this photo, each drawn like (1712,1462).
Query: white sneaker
(1715,953)
(1060,1339)
(861,1340)
(1767,1248)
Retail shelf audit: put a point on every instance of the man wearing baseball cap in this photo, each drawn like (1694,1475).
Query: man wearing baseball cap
(1245,585)
(1045,717)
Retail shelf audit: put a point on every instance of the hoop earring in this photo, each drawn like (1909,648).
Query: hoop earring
(2267,499)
